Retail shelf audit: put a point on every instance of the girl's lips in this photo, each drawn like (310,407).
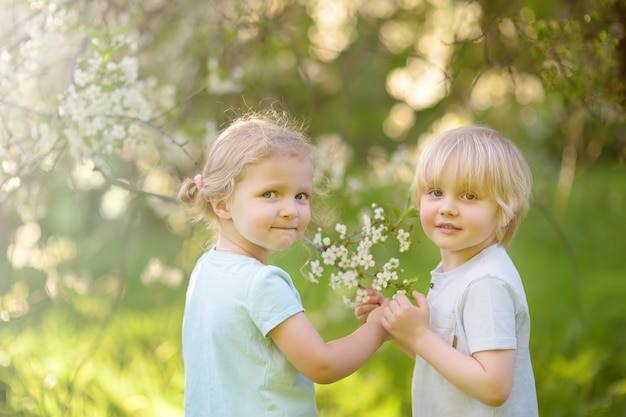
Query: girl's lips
(285,227)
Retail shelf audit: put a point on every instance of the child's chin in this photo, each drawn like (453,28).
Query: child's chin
(283,245)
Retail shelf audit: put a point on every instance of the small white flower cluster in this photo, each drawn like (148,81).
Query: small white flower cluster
(107,105)
(353,256)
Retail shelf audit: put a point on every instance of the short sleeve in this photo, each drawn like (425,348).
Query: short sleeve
(489,309)
(272,299)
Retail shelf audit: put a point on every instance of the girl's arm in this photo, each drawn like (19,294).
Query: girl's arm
(323,362)
(486,376)
(363,309)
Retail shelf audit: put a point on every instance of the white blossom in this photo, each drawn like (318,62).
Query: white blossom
(317,238)
(398,293)
(316,271)
(404,239)
(367,222)
(379,213)
(359,264)
(342,230)
(350,279)
(361,295)
(331,254)
(378,234)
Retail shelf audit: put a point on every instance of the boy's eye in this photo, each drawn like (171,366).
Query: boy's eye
(302,196)
(435,193)
(269,194)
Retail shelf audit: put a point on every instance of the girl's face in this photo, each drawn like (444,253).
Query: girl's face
(269,208)
(459,221)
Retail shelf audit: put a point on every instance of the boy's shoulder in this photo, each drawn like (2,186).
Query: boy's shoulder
(492,260)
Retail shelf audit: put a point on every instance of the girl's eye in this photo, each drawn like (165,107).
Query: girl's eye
(269,194)
(302,196)
(469,196)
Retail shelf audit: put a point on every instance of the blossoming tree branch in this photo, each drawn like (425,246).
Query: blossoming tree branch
(353,258)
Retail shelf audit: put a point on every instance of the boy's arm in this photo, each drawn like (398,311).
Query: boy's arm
(486,376)
(323,362)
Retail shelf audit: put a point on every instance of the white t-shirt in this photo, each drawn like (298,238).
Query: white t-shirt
(481,305)
(232,367)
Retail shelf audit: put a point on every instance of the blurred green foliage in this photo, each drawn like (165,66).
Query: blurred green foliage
(98,358)
(94,256)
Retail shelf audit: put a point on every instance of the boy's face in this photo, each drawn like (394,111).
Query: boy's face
(459,221)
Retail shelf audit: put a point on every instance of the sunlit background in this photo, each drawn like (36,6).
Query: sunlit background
(106,106)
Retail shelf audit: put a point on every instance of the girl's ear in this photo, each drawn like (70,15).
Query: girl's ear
(221,209)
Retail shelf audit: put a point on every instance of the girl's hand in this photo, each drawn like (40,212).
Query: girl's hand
(375,316)
(363,309)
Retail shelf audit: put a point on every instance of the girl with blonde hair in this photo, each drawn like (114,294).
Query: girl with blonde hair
(248,347)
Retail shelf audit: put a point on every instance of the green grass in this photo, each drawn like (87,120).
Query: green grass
(89,356)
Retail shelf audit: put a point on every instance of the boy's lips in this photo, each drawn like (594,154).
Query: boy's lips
(447,227)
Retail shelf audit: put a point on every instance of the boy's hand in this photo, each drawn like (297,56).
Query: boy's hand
(363,309)
(404,321)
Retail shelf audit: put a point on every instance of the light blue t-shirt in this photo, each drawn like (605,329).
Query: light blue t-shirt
(232,367)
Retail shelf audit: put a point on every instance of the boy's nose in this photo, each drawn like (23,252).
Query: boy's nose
(448,207)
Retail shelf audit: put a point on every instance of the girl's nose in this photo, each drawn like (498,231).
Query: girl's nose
(288,209)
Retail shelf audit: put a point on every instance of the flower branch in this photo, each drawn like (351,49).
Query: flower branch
(364,257)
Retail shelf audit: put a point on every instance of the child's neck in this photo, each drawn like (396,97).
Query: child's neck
(227,245)
(453,259)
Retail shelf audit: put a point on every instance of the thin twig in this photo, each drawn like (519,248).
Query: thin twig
(128,187)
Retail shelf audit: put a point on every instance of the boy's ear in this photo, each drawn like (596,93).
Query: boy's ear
(505,220)
(221,209)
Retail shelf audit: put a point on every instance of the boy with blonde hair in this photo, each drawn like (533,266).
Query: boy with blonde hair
(470,335)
